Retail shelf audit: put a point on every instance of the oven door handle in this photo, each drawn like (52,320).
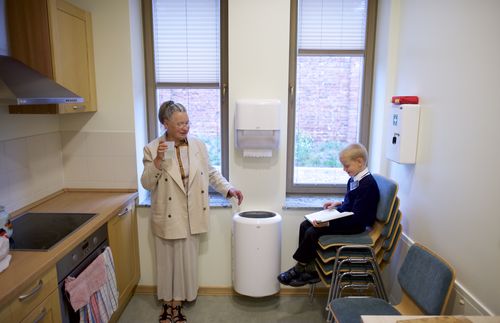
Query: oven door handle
(32,292)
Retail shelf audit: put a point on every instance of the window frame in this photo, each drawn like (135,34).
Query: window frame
(365,113)
(152,85)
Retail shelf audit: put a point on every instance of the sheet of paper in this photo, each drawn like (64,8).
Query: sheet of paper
(326,215)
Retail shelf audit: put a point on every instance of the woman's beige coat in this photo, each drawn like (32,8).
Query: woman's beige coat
(174,209)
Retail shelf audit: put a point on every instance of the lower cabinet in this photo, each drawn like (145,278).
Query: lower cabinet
(38,303)
(47,312)
(6,314)
(123,240)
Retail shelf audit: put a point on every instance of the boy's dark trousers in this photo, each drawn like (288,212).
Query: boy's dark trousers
(309,235)
(308,240)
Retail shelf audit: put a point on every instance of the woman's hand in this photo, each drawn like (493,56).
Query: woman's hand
(235,193)
(160,152)
(331,205)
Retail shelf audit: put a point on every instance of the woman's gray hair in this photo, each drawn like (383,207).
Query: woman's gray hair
(168,108)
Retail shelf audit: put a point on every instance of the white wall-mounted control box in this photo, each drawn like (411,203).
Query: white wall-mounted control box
(403,133)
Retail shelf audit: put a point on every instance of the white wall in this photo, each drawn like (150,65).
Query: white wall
(258,69)
(30,153)
(113,69)
(447,53)
(444,51)
(95,150)
(99,148)
(420,51)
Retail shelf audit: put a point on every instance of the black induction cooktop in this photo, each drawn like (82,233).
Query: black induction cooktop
(42,231)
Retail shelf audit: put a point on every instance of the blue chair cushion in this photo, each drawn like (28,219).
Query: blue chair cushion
(390,239)
(426,278)
(393,222)
(350,309)
(392,225)
(330,240)
(388,251)
(388,190)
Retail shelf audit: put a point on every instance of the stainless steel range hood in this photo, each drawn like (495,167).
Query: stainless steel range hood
(21,85)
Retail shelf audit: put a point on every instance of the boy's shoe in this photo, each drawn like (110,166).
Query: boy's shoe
(293,273)
(307,277)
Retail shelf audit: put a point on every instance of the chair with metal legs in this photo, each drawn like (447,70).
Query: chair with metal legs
(426,280)
(383,229)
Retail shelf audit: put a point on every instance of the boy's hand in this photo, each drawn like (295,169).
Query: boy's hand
(331,205)
(317,224)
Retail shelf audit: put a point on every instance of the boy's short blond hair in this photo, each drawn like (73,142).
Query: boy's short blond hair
(354,151)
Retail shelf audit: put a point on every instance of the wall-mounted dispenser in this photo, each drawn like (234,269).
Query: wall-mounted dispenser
(403,133)
(257,127)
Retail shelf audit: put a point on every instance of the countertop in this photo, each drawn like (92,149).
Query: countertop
(26,266)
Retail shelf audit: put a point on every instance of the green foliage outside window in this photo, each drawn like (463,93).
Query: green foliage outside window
(213,146)
(313,153)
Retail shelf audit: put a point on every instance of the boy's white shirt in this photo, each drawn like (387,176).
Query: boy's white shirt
(360,175)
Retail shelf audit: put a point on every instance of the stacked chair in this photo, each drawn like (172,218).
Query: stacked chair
(426,281)
(356,271)
(351,264)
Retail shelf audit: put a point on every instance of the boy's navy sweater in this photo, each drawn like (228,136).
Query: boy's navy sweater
(362,201)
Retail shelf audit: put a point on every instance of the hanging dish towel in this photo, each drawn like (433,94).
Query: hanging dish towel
(94,293)
(4,253)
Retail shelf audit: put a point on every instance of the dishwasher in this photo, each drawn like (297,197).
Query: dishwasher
(73,263)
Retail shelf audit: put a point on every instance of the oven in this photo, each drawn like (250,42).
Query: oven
(73,263)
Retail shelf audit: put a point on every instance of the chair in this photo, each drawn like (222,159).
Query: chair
(387,221)
(386,207)
(384,258)
(355,271)
(425,279)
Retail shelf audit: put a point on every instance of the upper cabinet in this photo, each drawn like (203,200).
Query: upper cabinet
(54,37)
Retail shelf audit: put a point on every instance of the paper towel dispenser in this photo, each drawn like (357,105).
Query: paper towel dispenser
(257,127)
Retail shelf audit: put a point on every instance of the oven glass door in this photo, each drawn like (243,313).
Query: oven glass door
(68,314)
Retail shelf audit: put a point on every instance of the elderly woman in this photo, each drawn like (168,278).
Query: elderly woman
(179,206)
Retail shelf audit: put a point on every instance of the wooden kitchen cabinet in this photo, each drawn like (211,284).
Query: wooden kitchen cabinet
(54,37)
(5,314)
(47,312)
(123,240)
(37,303)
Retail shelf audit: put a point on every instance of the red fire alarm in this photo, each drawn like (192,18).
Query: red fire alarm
(405,99)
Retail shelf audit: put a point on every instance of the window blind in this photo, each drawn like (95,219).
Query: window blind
(186,38)
(332,24)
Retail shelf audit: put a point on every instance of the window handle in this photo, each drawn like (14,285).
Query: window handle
(292,90)
(224,87)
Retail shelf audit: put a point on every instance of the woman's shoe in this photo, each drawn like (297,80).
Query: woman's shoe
(177,316)
(166,316)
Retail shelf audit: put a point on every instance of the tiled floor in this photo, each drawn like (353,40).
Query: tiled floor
(240,309)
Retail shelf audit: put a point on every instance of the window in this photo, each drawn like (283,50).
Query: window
(186,62)
(331,62)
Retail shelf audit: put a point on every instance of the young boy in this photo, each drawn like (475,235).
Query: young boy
(361,198)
